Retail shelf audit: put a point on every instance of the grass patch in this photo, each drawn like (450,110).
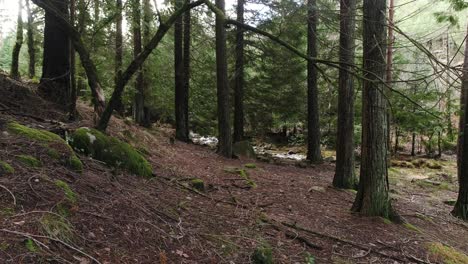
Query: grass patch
(57,227)
(29,161)
(412,227)
(445,254)
(6,168)
(263,254)
(31,245)
(70,195)
(250,166)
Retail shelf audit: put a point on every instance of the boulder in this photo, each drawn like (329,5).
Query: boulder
(243,149)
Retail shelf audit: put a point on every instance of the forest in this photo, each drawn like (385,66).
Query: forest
(246,131)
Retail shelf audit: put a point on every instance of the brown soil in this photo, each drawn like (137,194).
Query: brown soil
(121,218)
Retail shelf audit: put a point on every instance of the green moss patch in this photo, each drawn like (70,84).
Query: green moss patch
(69,193)
(57,148)
(262,255)
(111,151)
(445,254)
(250,166)
(243,174)
(198,184)
(29,161)
(6,168)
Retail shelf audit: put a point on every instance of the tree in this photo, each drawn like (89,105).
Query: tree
(19,42)
(31,47)
(73,91)
(139,99)
(119,50)
(239,77)
(461,207)
(187,69)
(344,172)
(313,122)
(224,127)
(181,95)
(373,198)
(56,81)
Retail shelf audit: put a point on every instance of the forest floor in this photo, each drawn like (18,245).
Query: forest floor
(121,218)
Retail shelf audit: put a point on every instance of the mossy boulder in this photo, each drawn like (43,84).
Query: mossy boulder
(6,168)
(243,149)
(198,184)
(29,161)
(110,150)
(57,148)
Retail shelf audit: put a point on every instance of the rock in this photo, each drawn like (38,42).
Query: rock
(198,184)
(111,151)
(317,189)
(243,149)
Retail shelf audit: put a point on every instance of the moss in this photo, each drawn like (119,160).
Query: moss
(250,166)
(56,146)
(263,254)
(57,227)
(7,211)
(30,245)
(6,168)
(198,184)
(412,227)
(111,151)
(444,254)
(387,221)
(69,193)
(29,161)
(243,174)
(4,246)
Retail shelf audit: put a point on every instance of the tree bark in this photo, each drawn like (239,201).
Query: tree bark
(187,62)
(120,108)
(461,207)
(373,198)
(239,77)
(224,126)
(19,42)
(73,91)
(413,144)
(31,47)
(313,122)
(180,93)
(139,100)
(344,172)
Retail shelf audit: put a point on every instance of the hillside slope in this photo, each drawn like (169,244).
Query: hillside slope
(50,213)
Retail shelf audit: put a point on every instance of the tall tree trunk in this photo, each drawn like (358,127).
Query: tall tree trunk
(344,173)
(224,126)
(187,61)
(120,108)
(180,93)
(461,207)
(372,198)
(239,77)
(19,42)
(147,20)
(397,140)
(73,90)
(413,144)
(389,70)
(313,122)
(139,102)
(31,48)
(56,81)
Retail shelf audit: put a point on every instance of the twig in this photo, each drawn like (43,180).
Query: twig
(12,195)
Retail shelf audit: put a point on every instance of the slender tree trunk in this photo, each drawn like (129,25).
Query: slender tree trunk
(139,102)
(372,198)
(120,108)
(313,123)
(180,93)
(187,61)
(344,173)
(73,90)
(56,81)
(224,126)
(147,19)
(31,48)
(461,207)
(19,42)
(413,144)
(397,140)
(389,71)
(239,77)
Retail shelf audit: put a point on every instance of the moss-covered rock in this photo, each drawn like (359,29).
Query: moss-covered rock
(262,255)
(198,184)
(29,161)
(57,148)
(6,168)
(110,150)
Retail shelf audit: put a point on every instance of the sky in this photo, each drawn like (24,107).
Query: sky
(9,13)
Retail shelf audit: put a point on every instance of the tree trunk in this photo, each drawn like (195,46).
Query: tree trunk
(19,42)
(389,70)
(397,140)
(31,48)
(120,108)
(56,81)
(372,198)
(239,77)
(313,123)
(413,144)
(73,91)
(224,126)
(139,100)
(147,20)
(187,61)
(180,93)
(461,207)
(344,173)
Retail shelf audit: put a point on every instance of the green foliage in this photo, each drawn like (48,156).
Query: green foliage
(445,254)
(6,168)
(69,193)
(250,165)
(309,259)
(263,254)
(198,184)
(31,245)
(110,150)
(29,161)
